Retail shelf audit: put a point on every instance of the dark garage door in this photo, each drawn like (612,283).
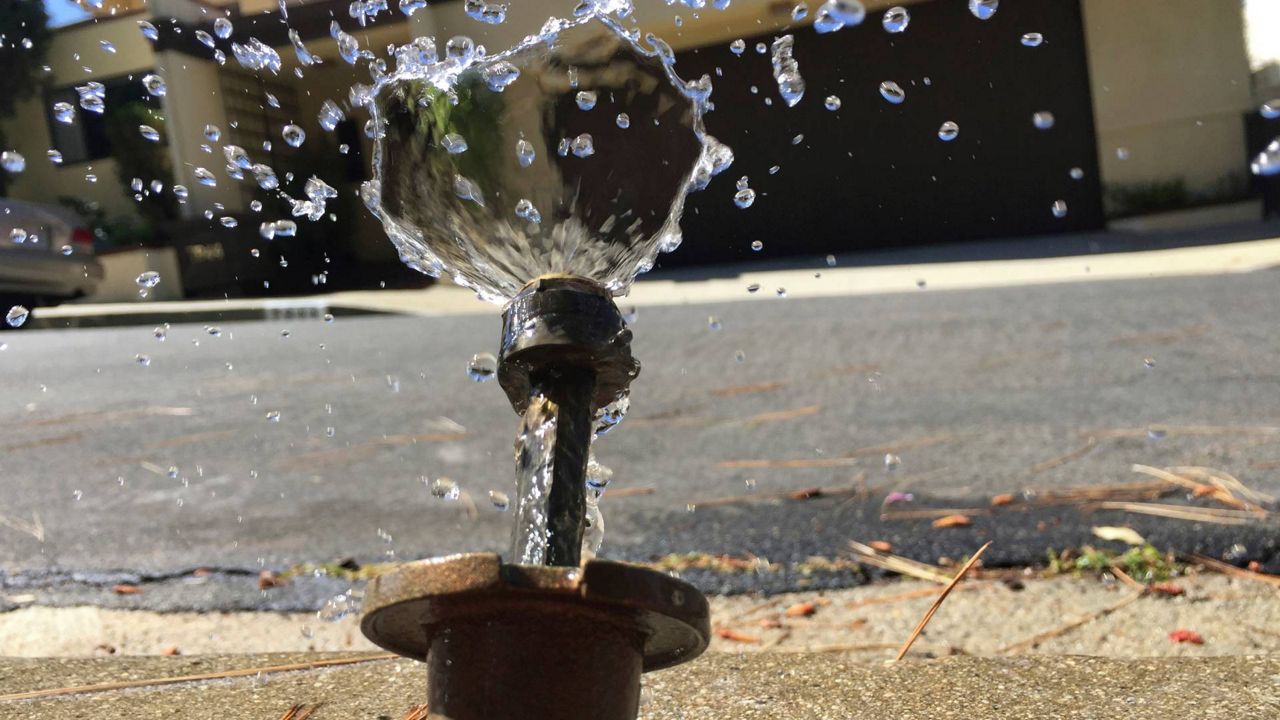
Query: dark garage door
(876,175)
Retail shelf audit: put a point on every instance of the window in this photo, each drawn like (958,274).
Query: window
(86,138)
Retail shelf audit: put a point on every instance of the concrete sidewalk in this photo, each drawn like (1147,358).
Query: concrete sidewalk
(743,687)
(853,275)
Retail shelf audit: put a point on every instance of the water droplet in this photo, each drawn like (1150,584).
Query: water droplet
(948,131)
(273,416)
(781,292)
(66,249)
(149,31)
(737,47)
(180,191)
(204,177)
(891,91)
(1266,164)
(586,99)
(500,500)
(107,47)
(1059,208)
(483,367)
(12,161)
(713,323)
(1123,153)
(149,133)
(205,39)
(891,462)
(64,112)
(753,288)
(1076,173)
(799,12)
(340,606)
(148,279)
(92,96)
(745,198)
(1155,434)
(756,246)
(454,143)
(1033,39)
(1043,120)
(55,157)
(213,330)
(1148,362)
(222,28)
(1270,109)
(160,333)
(896,19)
(143,360)
(154,84)
(228,221)
(786,71)
(328,317)
(293,135)
(526,210)
(460,49)
(16,316)
(445,489)
(837,14)
(525,153)
(624,120)
(583,146)
(18,235)
(485,12)
(832,103)
(984,9)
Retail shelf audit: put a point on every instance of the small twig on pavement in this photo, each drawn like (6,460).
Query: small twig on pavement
(417,712)
(910,595)
(896,563)
(1065,628)
(1216,492)
(1232,570)
(1186,512)
(1076,454)
(300,712)
(1127,579)
(226,674)
(938,603)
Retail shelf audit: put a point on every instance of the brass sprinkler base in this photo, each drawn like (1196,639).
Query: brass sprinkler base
(535,642)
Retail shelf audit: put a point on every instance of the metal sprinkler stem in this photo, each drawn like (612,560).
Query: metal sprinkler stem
(566,351)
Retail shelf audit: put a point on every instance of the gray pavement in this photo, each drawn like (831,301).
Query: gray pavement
(791,686)
(971,389)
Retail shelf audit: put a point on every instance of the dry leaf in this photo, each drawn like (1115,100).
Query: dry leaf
(1128,536)
(171,651)
(858,624)
(770,623)
(126,589)
(1003,499)
(735,636)
(1186,636)
(880,546)
(268,579)
(804,609)
(951,521)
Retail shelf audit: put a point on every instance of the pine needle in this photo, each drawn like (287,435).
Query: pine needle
(157,682)
(938,603)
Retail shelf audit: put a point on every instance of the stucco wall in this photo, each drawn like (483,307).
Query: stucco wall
(28,130)
(1170,82)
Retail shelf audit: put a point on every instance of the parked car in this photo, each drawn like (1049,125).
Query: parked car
(46,255)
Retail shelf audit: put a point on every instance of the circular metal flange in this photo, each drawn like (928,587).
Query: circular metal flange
(405,607)
(561,321)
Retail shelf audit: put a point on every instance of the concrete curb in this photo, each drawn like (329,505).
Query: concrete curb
(795,686)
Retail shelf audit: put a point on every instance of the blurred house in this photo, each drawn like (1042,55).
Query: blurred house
(1150,100)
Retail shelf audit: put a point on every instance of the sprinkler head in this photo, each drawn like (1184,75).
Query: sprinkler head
(508,642)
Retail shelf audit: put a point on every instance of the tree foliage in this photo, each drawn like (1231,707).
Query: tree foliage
(22,23)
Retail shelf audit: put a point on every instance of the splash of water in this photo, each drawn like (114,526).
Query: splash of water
(538,187)
(534,451)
